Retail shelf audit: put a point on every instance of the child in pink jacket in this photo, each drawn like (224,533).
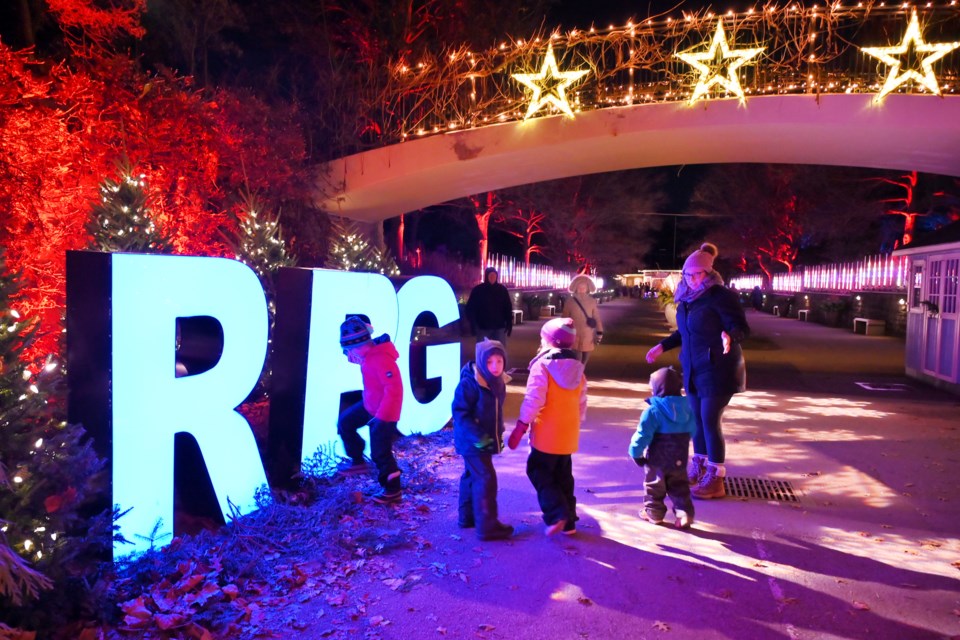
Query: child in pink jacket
(380,407)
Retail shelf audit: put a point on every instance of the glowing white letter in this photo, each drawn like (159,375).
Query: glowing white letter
(151,405)
(427,293)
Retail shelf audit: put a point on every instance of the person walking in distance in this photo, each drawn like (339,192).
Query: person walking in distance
(710,327)
(489,310)
(583,308)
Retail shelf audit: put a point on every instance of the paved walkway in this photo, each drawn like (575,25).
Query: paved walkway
(870,548)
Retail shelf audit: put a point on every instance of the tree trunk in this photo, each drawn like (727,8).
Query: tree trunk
(26,23)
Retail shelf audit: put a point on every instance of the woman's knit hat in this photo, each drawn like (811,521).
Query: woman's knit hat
(559,333)
(701,259)
(591,285)
(354,332)
(666,382)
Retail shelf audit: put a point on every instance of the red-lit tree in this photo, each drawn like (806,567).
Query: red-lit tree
(64,122)
(524,223)
(485,205)
(770,218)
(903,203)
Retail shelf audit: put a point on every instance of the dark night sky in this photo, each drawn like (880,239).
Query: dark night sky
(602,13)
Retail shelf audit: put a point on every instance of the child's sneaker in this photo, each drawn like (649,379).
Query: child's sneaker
(351,468)
(684,520)
(651,518)
(388,497)
(570,528)
(555,528)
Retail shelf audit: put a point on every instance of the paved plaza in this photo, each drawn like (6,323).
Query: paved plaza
(862,541)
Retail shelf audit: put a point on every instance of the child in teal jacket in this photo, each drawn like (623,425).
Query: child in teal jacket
(661,445)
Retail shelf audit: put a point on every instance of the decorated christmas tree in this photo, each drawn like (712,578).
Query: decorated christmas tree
(259,243)
(122,221)
(351,251)
(49,480)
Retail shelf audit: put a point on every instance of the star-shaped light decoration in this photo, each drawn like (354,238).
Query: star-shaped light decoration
(912,43)
(550,85)
(724,60)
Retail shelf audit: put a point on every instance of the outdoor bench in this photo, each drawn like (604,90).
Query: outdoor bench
(871,327)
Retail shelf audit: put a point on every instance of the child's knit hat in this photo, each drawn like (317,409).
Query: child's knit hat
(559,333)
(486,348)
(354,332)
(702,258)
(666,382)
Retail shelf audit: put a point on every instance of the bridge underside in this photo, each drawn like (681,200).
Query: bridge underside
(905,132)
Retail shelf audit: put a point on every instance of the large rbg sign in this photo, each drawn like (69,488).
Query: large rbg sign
(128,316)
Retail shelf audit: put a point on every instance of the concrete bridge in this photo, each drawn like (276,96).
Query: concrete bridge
(904,132)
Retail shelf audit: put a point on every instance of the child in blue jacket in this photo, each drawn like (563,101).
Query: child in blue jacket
(478,436)
(661,445)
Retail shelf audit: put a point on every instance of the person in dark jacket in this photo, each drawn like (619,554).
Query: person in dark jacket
(489,309)
(710,326)
(478,436)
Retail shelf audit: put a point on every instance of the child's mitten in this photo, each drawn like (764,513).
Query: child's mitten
(517,434)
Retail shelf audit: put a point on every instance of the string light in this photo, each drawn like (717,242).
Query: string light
(546,89)
(636,62)
(912,39)
(726,60)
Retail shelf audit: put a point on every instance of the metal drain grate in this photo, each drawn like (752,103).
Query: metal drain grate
(779,490)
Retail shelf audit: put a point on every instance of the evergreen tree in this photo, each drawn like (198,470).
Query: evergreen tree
(122,221)
(49,478)
(351,251)
(259,244)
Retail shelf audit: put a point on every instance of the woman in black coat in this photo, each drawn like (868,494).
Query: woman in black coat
(710,326)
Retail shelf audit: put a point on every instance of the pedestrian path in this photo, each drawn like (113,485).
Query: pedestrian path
(869,549)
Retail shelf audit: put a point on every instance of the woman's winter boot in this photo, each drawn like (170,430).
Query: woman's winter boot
(696,467)
(711,485)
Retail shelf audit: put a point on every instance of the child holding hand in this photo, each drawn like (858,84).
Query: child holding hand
(478,436)
(553,407)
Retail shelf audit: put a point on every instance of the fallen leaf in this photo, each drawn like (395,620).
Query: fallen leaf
(442,631)
(485,627)
(661,626)
(379,621)
(394,583)
(172,621)
(862,606)
(585,601)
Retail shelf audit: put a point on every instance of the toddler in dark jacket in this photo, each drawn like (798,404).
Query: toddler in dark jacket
(478,435)
(661,445)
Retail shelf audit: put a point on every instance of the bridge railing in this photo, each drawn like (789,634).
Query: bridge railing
(811,50)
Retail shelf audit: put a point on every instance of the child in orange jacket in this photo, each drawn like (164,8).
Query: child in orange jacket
(553,407)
